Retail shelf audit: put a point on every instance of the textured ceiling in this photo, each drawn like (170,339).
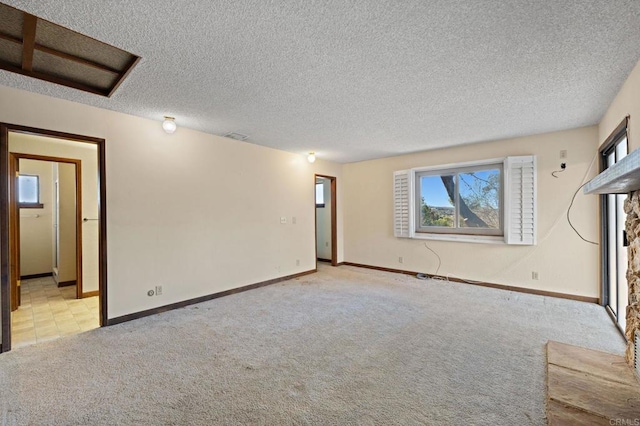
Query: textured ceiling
(355,80)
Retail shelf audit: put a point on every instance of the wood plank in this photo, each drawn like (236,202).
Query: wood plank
(12,39)
(28,41)
(52,79)
(5,298)
(562,415)
(124,75)
(63,55)
(593,394)
(14,238)
(76,59)
(601,364)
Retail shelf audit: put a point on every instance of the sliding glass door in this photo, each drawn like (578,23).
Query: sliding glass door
(615,292)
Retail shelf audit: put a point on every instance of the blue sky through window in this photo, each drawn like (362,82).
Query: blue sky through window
(435,194)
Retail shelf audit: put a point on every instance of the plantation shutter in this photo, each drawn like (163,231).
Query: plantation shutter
(520,200)
(402,204)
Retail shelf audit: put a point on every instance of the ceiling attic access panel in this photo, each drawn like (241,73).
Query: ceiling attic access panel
(40,49)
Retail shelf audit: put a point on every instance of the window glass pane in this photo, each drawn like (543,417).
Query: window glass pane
(480,199)
(621,149)
(319,193)
(436,205)
(28,189)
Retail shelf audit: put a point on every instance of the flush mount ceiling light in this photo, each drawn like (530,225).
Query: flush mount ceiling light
(169,124)
(311,157)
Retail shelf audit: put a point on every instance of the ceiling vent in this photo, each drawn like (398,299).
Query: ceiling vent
(236,136)
(40,49)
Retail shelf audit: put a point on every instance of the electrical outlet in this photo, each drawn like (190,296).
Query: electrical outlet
(158,290)
(297,262)
(400,259)
(283,220)
(563,154)
(534,275)
(293,220)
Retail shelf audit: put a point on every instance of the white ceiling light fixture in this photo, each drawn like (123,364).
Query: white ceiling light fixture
(169,125)
(311,157)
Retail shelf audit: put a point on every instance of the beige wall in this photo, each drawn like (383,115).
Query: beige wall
(87,154)
(564,263)
(626,102)
(323,223)
(193,212)
(66,175)
(36,224)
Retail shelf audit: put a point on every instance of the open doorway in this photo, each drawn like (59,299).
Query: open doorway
(326,229)
(53,281)
(46,222)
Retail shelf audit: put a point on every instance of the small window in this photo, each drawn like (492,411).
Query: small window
(460,201)
(319,195)
(29,192)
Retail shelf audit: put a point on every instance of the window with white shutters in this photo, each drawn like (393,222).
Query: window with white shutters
(485,201)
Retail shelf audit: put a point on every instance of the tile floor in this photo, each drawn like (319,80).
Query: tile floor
(48,312)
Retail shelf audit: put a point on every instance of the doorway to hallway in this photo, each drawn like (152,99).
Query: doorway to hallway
(326,213)
(52,191)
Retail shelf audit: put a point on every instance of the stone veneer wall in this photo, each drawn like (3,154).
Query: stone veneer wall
(632,208)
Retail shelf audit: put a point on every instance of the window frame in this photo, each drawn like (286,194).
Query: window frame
(23,205)
(619,136)
(456,170)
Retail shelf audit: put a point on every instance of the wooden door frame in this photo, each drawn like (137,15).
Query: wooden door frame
(78,181)
(5,253)
(334,216)
(14,229)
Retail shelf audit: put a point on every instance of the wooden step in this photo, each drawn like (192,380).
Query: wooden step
(585,386)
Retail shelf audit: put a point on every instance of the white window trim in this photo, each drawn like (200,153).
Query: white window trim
(459,165)
(507,238)
(461,238)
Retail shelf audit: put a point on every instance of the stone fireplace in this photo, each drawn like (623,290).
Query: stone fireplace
(632,225)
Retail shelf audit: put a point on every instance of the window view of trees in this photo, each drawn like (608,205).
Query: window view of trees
(478,195)
(480,199)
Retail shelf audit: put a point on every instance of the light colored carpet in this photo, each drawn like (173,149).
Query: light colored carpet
(343,346)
